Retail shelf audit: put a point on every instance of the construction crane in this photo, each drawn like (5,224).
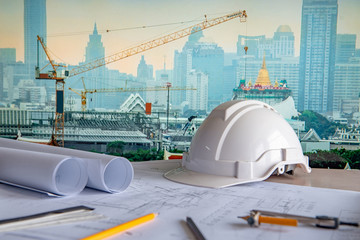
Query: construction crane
(58,134)
(60,77)
(84,92)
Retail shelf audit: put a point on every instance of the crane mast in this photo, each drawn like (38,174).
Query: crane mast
(58,132)
(55,75)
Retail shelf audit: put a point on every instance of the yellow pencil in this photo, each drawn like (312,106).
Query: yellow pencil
(122,227)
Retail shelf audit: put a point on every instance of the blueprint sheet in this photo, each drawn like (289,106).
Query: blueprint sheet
(215,211)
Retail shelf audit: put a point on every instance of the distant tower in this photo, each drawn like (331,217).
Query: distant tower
(317,55)
(144,71)
(7,55)
(283,42)
(96,78)
(345,47)
(205,57)
(198,100)
(95,48)
(34,24)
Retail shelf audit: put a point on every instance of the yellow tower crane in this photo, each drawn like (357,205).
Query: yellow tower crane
(60,77)
(83,93)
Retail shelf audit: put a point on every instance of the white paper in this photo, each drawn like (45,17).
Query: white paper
(106,173)
(215,211)
(52,173)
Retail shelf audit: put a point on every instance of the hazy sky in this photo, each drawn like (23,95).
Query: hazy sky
(70,22)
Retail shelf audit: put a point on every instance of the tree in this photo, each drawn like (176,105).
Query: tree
(335,158)
(144,155)
(116,147)
(352,156)
(322,126)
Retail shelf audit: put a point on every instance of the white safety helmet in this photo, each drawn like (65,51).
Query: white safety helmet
(240,142)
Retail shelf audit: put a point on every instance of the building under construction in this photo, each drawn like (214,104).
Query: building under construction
(90,131)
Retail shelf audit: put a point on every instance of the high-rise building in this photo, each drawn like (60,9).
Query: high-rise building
(94,48)
(253,45)
(163,76)
(96,78)
(7,55)
(7,61)
(209,58)
(144,71)
(197,99)
(357,52)
(231,78)
(347,87)
(34,24)
(345,47)
(317,55)
(205,57)
(2,97)
(283,42)
(281,45)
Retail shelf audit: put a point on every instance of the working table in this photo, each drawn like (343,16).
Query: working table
(323,178)
(215,211)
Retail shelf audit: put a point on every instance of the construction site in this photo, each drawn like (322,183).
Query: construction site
(138,124)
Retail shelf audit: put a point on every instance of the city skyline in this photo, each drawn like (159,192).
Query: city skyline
(68,41)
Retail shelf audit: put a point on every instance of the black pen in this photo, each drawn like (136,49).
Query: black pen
(195,229)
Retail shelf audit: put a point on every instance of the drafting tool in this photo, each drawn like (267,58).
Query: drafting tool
(66,215)
(195,229)
(120,228)
(257,217)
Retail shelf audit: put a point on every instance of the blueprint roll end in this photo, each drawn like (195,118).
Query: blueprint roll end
(118,174)
(70,176)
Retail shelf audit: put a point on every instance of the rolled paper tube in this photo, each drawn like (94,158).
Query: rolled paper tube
(106,172)
(54,173)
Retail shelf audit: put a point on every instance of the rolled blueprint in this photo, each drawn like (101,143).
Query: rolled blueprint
(106,172)
(47,172)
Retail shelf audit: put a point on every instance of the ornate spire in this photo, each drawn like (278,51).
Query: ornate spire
(263,77)
(95,32)
(263,64)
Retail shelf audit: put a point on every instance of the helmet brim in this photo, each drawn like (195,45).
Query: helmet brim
(186,176)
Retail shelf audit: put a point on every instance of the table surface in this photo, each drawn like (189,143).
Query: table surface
(322,177)
(215,211)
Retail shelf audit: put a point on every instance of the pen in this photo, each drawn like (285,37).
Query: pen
(257,217)
(195,229)
(270,220)
(122,227)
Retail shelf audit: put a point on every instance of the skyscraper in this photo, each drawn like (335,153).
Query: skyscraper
(317,55)
(345,47)
(208,58)
(94,48)
(281,45)
(283,41)
(198,100)
(347,87)
(7,55)
(205,57)
(96,78)
(145,71)
(34,24)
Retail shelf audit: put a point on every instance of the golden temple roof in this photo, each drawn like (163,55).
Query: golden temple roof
(263,77)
